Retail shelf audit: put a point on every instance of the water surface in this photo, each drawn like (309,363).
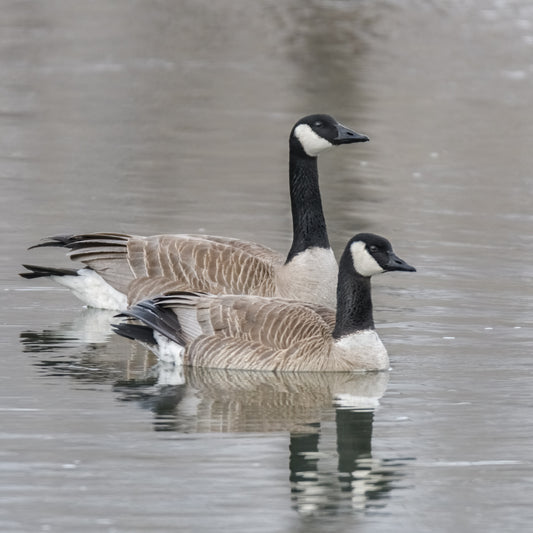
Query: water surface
(174,117)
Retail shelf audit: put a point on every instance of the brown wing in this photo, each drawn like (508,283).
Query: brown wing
(191,262)
(197,263)
(252,332)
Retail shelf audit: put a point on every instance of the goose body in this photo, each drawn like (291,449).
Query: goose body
(122,269)
(273,334)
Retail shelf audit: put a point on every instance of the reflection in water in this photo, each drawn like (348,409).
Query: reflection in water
(358,481)
(328,416)
(149,394)
(84,348)
(91,326)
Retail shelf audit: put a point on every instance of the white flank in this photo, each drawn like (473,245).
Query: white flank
(311,142)
(93,291)
(363,262)
(168,351)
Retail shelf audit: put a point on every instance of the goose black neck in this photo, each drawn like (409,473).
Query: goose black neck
(308,224)
(354,301)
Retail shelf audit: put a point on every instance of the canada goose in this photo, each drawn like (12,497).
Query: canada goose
(257,333)
(122,268)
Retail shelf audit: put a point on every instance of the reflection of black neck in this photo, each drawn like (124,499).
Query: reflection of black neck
(354,437)
(308,223)
(315,489)
(300,463)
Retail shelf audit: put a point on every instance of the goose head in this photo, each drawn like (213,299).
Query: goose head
(365,255)
(372,254)
(315,133)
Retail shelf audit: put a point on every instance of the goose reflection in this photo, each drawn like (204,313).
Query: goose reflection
(328,416)
(85,348)
(89,327)
(328,475)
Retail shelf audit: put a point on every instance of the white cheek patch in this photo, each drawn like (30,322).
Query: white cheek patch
(312,143)
(363,262)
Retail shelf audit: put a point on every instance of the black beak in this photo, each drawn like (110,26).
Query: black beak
(348,136)
(395,263)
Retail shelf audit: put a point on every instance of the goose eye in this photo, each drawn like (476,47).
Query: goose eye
(373,248)
(317,124)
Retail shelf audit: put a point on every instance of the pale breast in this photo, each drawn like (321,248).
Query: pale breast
(311,276)
(362,351)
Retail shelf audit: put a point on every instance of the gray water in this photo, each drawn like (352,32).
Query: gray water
(152,117)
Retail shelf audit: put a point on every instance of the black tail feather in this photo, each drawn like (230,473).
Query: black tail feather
(88,240)
(157,318)
(57,240)
(135,332)
(44,272)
